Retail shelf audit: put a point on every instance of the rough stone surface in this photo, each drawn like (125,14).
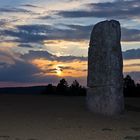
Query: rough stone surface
(105,79)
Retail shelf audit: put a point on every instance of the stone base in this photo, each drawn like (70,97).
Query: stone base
(105,100)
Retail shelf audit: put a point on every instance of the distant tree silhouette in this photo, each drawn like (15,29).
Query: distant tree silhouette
(77,89)
(137,90)
(129,82)
(138,85)
(75,84)
(62,87)
(130,88)
(49,88)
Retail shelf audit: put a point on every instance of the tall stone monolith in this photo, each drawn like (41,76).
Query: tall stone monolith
(105,64)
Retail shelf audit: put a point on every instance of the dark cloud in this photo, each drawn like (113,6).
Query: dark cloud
(63,68)
(34,28)
(38,54)
(130,34)
(24,72)
(2,22)
(14,10)
(117,9)
(39,33)
(30,33)
(30,5)
(131,54)
(47,17)
(25,37)
(25,45)
(19,72)
(131,65)
(48,56)
(30,45)
(71,58)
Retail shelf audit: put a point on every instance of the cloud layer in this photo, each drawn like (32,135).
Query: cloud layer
(41,66)
(117,10)
(43,41)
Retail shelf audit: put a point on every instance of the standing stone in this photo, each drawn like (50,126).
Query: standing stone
(105,78)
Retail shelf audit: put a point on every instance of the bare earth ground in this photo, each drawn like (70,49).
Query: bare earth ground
(28,117)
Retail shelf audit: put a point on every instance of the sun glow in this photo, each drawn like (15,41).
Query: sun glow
(58,70)
(73,68)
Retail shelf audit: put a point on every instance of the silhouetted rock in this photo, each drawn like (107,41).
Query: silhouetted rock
(105,79)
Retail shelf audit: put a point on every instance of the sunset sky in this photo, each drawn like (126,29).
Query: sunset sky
(42,41)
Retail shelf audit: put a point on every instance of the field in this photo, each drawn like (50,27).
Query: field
(40,117)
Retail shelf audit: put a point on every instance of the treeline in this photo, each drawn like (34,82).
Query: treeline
(62,88)
(130,88)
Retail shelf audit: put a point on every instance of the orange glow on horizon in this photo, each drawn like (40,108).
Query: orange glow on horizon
(74,68)
(131,65)
(59,68)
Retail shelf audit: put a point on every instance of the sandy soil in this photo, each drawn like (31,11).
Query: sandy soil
(27,117)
